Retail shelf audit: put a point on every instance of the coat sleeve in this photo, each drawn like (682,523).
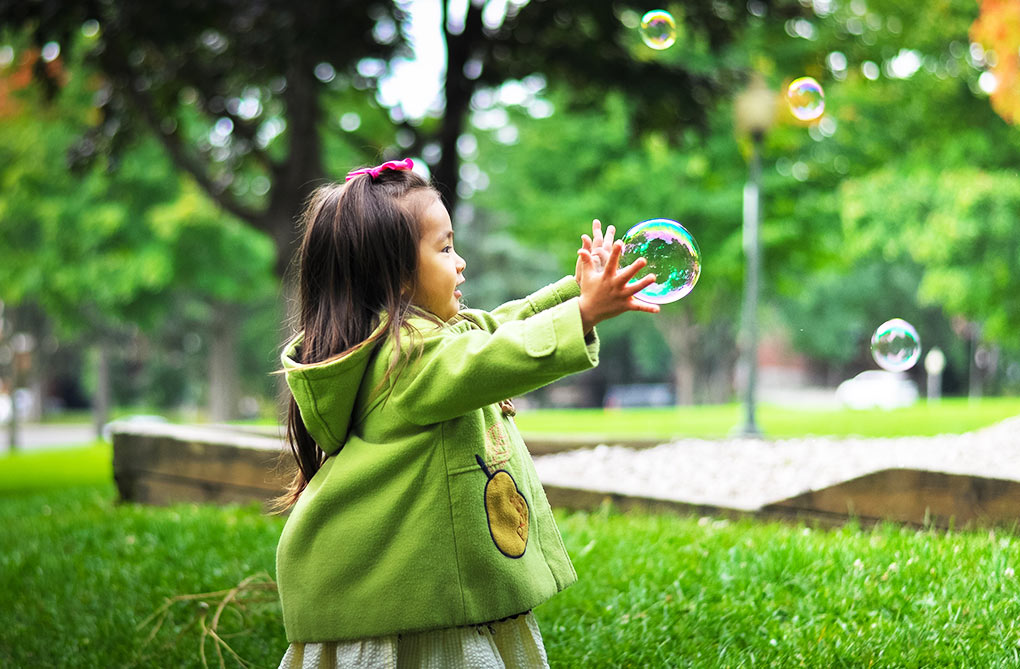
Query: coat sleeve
(526,307)
(463,369)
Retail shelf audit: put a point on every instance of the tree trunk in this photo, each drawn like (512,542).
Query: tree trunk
(223,379)
(684,372)
(38,387)
(457,90)
(101,400)
(12,425)
(682,338)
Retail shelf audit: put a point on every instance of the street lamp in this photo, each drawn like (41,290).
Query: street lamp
(755,112)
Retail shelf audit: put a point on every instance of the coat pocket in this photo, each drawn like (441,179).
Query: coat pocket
(540,335)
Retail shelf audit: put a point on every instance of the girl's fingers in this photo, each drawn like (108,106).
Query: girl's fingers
(640,284)
(628,272)
(585,256)
(596,232)
(586,242)
(610,232)
(647,307)
(613,264)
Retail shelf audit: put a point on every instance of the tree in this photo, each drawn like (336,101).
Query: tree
(902,96)
(106,254)
(959,226)
(245,96)
(562,171)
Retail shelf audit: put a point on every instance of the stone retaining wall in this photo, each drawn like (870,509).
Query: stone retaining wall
(159,463)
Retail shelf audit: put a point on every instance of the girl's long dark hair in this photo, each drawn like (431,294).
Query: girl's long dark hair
(358,255)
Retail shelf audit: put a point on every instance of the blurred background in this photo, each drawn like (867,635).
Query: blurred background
(153,160)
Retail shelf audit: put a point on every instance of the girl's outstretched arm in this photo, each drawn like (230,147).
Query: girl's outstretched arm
(458,368)
(526,307)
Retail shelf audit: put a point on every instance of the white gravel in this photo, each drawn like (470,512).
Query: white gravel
(749,473)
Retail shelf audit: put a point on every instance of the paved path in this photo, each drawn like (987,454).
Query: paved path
(36,437)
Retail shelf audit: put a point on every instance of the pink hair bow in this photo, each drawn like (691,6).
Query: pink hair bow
(374,172)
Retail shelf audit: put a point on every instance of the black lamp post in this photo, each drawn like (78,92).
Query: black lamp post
(755,113)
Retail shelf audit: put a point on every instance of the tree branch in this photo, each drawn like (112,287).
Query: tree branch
(175,147)
(246,129)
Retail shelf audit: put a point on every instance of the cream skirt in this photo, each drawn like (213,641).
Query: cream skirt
(508,644)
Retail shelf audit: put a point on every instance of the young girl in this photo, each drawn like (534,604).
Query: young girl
(419,532)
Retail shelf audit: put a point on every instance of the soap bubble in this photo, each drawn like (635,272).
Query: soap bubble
(806,98)
(895,345)
(672,254)
(658,29)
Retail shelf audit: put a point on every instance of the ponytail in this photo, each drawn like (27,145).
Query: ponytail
(307,454)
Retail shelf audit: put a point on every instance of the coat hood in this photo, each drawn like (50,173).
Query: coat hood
(326,392)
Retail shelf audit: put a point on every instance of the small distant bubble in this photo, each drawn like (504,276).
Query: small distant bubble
(896,345)
(672,254)
(806,98)
(658,29)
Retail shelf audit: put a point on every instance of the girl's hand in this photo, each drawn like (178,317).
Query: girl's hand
(605,292)
(598,245)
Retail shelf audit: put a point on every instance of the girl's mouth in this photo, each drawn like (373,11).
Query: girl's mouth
(457,294)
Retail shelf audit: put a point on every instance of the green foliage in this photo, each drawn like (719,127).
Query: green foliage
(620,145)
(563,171)
(959,226)
(570,168)
(839,204)
(214,256)
(102,247)
(79,245)
(124,249)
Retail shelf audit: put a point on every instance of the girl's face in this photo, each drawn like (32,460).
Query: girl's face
(439,266)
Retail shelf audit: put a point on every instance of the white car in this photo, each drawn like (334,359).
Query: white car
(877,389)
(22,401)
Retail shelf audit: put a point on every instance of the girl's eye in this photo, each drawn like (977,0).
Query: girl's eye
(447,249)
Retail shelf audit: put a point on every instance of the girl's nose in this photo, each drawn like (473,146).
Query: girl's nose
(460,263)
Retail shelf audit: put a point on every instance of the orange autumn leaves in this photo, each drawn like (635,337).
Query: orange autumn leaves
(997,28)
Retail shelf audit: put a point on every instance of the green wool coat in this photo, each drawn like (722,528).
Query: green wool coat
(428,512)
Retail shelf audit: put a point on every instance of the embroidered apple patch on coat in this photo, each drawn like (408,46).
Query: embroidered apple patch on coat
(506,510)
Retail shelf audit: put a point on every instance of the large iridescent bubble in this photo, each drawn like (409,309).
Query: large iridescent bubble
(896,345)
(658,29)
(672,254)
(806,98)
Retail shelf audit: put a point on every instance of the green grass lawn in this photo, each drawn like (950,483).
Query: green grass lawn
(951,415)
(80,575)
(35,470)
(88,582)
